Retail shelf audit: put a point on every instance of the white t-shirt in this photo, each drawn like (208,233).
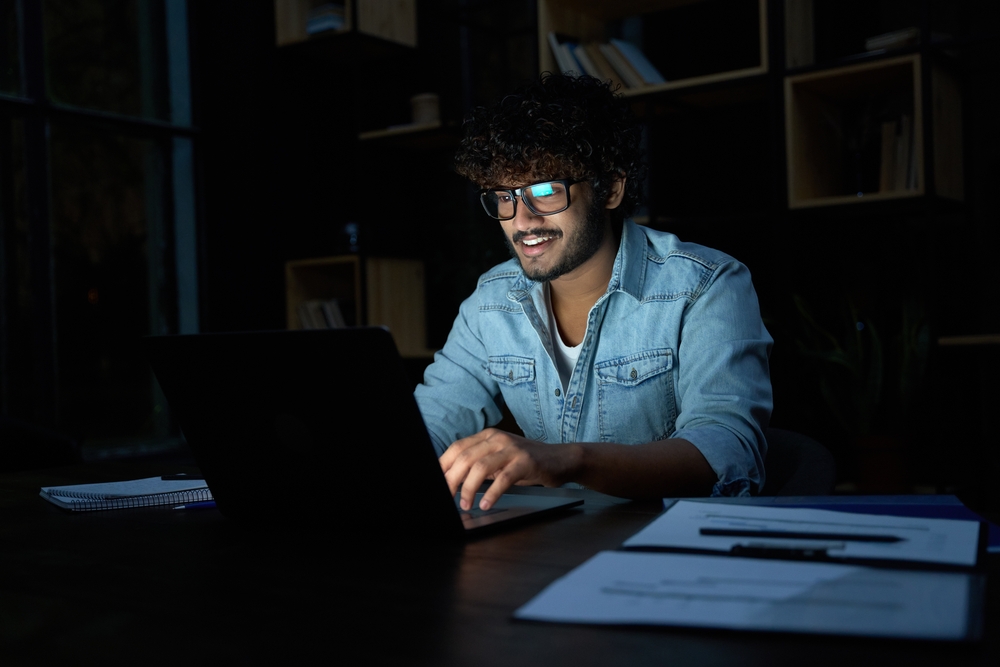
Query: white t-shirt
(566,356)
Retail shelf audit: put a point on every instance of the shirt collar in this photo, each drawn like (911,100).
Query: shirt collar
(630,262)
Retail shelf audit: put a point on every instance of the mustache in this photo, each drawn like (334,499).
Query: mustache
(552,233)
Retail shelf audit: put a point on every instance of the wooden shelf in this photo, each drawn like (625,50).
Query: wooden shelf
(834,133)
(372,291)
(398,130)
(593,21)
(982,339)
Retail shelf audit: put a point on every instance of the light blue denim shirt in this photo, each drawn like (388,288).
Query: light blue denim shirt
(674,349)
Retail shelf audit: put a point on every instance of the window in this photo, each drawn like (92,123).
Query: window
(97,213)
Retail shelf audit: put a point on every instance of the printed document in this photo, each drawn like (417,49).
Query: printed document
(638,588)
(721,527)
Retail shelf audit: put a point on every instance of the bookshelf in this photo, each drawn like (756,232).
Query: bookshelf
(391,20)
(683,39)
(371,291)
(857,122)
(882,128)
(857,133)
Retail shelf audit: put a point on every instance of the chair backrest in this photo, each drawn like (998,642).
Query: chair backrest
(797,465)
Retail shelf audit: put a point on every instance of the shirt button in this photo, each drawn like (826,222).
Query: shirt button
(510,376)
(633,374)
(558,392)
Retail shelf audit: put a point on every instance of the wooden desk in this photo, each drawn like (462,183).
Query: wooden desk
(157,586)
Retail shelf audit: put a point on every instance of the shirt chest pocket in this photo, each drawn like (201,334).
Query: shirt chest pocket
(636,397)
(519,387)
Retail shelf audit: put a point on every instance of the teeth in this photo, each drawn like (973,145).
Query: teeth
(535,241)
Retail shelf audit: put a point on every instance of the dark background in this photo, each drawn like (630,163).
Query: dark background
(280,172)
(283,172)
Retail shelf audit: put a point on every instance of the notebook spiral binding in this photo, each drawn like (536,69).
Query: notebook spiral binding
(174,497)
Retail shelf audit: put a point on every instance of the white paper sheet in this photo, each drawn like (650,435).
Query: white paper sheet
(947,541)
(617,587)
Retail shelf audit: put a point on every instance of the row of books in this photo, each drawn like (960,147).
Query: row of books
(325,17)
(321,314)
(616,60)
(898,166)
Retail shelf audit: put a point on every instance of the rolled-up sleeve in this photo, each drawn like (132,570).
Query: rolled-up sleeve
(724,387)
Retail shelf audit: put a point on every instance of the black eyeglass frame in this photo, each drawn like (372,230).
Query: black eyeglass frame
(515,194)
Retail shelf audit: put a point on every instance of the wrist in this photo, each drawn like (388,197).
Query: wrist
(574,462)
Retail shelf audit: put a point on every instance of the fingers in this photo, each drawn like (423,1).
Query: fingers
(502,481)
(447,460)
(453,465)
(498,464)
(497,455)
(471,461)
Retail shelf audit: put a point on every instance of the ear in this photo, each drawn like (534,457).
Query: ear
(617,192)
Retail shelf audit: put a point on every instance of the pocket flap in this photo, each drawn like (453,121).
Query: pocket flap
(511,370)
(635,368)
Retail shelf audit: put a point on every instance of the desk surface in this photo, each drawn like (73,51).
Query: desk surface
(157,586)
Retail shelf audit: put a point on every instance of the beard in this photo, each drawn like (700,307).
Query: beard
(584,243)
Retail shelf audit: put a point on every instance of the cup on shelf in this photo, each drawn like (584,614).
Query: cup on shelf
(426,108)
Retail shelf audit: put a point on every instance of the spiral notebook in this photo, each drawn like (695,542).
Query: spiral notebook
(146,492)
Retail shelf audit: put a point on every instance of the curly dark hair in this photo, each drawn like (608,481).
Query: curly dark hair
(556,127)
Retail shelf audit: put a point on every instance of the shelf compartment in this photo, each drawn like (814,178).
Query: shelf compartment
(393,291)
(699,20)
(835,126)
(391,20)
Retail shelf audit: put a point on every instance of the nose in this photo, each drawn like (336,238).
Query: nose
(523,217)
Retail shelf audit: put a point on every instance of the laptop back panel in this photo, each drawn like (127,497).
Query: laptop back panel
(288,425)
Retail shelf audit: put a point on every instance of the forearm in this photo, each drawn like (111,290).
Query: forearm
(666,468)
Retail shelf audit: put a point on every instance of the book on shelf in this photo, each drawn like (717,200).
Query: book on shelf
(147,492)
(333,315)
(903,152)
(325,17)
(583,57)
(800,47)
(562,50)
(622,66)
(639,62)
(321,314)
(898,169)
(887,162)
(620,62)
(895,39)
(605,71)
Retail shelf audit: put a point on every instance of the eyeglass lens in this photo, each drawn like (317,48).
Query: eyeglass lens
(540,198)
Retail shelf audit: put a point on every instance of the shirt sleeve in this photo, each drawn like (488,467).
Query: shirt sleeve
(458,397)
(724,382)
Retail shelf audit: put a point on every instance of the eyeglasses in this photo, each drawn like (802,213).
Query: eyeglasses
(544,198)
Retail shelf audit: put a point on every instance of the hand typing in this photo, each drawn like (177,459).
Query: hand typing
(507,459)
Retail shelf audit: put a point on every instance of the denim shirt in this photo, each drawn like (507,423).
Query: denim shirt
(674,349)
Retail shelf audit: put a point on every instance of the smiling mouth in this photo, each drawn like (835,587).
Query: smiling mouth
(537,237)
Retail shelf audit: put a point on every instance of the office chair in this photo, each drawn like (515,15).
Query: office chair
(797,465)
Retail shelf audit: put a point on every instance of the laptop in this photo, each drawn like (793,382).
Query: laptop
(299,426)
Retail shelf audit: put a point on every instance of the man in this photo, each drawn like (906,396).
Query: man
(634,364)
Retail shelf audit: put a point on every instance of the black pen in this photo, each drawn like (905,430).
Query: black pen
(791,535)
